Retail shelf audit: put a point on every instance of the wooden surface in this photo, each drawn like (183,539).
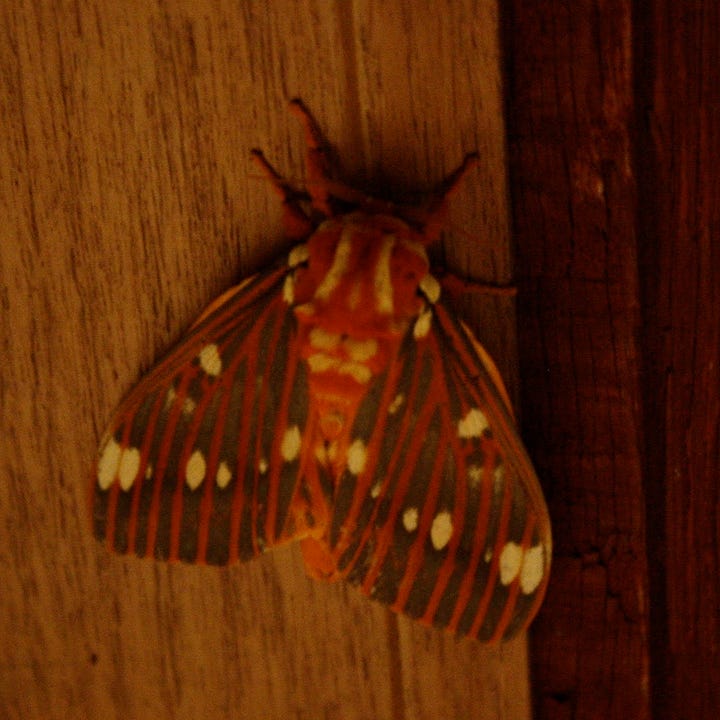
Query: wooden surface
(679,220)
(128,202)
(614,137)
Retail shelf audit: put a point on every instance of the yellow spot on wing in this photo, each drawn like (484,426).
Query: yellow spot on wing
(398,400)
(195,470)
(430,288)
(441,530)
(410,519)
(510,561)
(291,442)
(210,360)
(422,324)
(223,475)
(128,468)
(108,464)
(356,457)
(533,569)
(473,424)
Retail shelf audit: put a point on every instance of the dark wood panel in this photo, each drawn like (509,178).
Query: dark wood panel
(613,113)
(679,230)
(571,116)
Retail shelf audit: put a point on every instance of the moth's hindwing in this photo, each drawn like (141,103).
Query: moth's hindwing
(446,521)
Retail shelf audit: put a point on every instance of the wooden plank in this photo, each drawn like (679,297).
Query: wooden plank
(128,202)
(570,105)
(679,216)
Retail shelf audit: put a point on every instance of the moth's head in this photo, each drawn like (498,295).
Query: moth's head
(362,274)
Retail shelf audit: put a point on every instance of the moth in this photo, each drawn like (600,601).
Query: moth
(336,400)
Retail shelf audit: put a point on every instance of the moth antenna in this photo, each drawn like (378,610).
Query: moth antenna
(437,209)
(296,223)
(316,159)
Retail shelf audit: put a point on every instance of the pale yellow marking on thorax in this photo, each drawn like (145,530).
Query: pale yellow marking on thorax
(338,268)
(384,301)
(321,339)
(360,350)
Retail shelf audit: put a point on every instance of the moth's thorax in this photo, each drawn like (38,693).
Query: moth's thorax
(361,276)
(355,292)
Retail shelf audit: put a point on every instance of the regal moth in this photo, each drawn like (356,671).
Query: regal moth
(335,399)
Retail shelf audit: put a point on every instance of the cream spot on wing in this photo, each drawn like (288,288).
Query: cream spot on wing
(533,568)
(441,530)
(375,490)
(189,406)
(289,290)
(472,425)
(488,555)
(474,474)
(223,475)
(410,519)
(510,561)
(148,471)
(129,467)
(430,288)
(356,457)
(422,325)
(108,464)
(195,470)
(170,397)
(360,350)
(210,360)
(291,442)
(262,466)
(398,400)
(298,255)
(321,339)
(499,475)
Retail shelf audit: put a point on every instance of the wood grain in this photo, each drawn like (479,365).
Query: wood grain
(679,146)
(613,118)
(128,202)
(572,166)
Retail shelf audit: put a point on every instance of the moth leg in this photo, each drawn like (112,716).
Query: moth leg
(296,223)
(455,287)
